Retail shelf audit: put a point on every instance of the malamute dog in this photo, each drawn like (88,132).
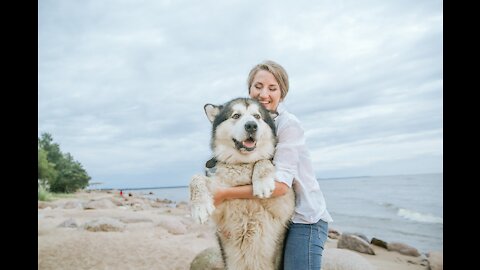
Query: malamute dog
(250,231)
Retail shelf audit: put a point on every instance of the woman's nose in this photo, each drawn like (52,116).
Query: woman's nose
(263,92)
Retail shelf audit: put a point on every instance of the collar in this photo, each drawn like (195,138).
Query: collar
(281,108)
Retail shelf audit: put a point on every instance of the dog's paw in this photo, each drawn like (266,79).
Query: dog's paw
(196,178)
(201,212)
(263,188)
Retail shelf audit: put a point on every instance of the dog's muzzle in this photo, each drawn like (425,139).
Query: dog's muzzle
(247,145)
(250,143)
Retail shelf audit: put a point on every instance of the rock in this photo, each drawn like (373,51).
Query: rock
(99,204)
(43,205)
(208,259)
(135,220)
(164,201)
(435,260)
(403,249)
(172,225)
(182,205)
(72,205)
(353,242)
(156,204)
(69,223)
(363,236)
(104,224)
(378,242)
(342,259)
(333,234)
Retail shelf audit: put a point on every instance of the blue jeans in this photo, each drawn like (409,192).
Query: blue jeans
(304,246)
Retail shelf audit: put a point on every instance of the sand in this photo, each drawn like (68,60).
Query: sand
(150,235)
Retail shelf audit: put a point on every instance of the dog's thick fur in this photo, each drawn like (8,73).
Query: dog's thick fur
(251,232)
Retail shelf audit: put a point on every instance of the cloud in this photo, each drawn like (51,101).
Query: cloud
(122,84)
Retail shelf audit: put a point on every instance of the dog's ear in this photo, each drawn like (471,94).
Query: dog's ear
(211,111)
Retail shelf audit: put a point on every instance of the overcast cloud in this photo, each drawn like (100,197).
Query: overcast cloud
(122,84)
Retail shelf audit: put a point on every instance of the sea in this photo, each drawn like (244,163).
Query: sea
(397,208)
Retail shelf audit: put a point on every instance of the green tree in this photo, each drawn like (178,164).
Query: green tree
(46,170)
(54,155)
(62,171)
(71,177)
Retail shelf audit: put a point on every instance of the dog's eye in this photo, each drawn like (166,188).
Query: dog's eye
(257,116)
(236,116)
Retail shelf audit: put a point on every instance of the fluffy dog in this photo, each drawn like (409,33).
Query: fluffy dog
(251,232)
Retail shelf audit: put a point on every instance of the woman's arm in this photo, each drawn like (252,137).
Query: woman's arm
(245,192)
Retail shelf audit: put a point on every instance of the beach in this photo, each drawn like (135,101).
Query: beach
(106,230)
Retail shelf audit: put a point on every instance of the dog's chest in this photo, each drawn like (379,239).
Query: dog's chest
(234,174)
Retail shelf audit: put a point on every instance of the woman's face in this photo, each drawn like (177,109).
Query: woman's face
(266,90)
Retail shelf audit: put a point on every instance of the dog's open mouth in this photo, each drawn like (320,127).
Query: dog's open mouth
(247,145)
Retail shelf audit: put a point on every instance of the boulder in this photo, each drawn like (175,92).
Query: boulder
(363,236)
(43,205)
(69,223)
(353,242)
(99,204)
(135,220)
(208,259)
(342,259)
(173,225)
(435,260)
(333,234)
(403,249)
(378,242)
(104,224)
(72,205)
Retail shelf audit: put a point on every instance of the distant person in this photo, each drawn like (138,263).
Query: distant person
(121,193)
(308,230)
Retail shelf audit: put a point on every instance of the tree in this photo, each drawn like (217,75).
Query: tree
(54,155)
(46,170)
(62,171)
(72,176)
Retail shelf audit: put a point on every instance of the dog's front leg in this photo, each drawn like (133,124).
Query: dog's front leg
(263,178)
(201,202)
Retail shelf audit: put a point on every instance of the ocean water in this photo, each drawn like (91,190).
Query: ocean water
(403,208)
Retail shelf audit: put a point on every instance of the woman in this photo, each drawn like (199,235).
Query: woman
(308,230)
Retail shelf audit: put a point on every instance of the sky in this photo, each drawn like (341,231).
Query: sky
(122,84)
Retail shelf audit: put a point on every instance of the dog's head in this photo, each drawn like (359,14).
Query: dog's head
(243,131)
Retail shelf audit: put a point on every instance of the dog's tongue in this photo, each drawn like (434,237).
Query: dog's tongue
(249,143)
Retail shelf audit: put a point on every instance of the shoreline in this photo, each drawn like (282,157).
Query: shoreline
(383,225)
(141,233)
(139,188)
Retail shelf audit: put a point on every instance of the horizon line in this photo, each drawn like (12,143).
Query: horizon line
(318,178)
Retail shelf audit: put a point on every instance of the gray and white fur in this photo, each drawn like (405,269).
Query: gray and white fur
(251,232)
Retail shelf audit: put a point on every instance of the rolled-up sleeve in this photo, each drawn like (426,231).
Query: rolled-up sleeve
(286,158)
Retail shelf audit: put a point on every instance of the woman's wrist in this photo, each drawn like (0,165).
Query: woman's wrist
(219,196)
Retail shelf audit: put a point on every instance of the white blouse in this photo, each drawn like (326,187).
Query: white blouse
(294,168)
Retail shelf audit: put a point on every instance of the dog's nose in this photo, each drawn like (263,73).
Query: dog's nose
(251,126)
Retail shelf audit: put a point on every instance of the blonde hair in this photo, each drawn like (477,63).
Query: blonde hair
(277,71)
